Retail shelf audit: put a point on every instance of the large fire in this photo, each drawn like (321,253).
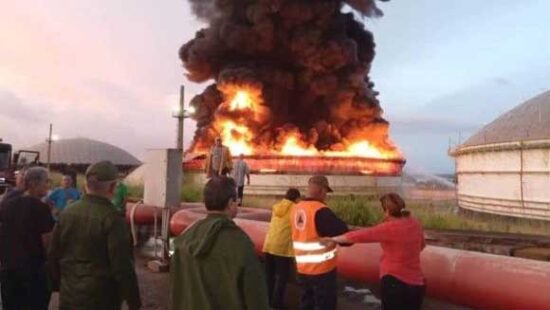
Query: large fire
(290,85)
(242,108)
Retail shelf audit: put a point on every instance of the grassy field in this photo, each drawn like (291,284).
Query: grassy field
(190,192)
(445,215)
(359,211)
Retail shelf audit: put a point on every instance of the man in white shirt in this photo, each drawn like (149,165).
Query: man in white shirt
(240,171)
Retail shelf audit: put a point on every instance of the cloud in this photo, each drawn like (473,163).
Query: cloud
(431,124)
(112,92)
(503,81)
(12,107)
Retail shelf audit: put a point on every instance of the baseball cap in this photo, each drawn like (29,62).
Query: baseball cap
(103,171)
(320,180)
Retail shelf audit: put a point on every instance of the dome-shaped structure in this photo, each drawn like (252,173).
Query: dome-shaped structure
(528,121)
(505,167)
(80,152)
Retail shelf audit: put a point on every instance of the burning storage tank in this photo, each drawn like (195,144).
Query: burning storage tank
(505,168)
(291,89)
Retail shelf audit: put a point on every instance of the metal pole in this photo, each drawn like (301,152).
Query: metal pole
(49,147)
(180,119)
(165,233)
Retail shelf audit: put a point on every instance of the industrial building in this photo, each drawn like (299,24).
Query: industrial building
(505,168)
(79,153)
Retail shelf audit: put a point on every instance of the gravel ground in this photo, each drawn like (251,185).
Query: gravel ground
(353,296)
(154,289)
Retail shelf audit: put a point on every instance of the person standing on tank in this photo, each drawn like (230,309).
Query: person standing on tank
(219,161)
(240,172)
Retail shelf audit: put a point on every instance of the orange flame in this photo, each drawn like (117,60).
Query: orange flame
(293,147)
(241,101)
(238,135)
(362,149)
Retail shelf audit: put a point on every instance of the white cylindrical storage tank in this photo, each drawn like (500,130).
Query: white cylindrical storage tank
(505,168)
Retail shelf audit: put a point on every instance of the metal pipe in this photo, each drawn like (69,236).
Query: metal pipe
(132,215)
(521,182)
(477,280)
(485,172)
(499,199)
(504,146)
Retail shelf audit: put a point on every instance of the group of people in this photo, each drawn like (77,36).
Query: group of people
(84,251)
(61,241)
(215,266)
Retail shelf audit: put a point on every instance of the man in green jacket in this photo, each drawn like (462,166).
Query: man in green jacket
(90,255)
(214,265)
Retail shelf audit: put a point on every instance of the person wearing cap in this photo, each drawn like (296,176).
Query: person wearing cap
(90,256)
(218,161)
(312,220)
(402,239)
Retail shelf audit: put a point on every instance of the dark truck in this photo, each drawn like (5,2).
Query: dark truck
(9,164)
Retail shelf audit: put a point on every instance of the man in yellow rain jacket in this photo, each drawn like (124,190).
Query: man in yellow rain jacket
(279,254)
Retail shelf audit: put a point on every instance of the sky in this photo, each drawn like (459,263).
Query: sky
(108,70)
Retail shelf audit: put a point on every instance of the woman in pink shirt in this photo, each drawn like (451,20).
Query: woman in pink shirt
(402,239)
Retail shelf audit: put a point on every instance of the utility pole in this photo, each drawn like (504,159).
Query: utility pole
(49,141)
(181,116)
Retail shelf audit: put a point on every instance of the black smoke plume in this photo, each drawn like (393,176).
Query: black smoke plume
(310,60)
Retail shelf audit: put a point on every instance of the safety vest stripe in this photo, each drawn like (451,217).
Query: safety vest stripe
(316,258)
(308,246)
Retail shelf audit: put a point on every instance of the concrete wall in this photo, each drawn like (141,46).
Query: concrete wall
(277,184)
(512,180)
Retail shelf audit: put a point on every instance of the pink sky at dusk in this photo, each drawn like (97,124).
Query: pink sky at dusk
(109,70)
(99,69)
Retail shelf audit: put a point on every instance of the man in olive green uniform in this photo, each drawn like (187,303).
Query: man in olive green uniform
(90,255)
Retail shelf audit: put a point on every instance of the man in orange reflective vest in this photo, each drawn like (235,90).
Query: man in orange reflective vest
(315,262)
